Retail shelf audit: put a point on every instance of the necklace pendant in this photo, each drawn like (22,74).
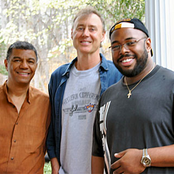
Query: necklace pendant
(129,94)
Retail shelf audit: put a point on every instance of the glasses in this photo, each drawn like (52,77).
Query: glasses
(128,45)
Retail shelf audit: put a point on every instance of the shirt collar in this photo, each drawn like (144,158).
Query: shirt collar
(103,64)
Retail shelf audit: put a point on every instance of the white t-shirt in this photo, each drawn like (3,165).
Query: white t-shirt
(79,106)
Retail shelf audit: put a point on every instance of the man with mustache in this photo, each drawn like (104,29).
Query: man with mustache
(134,126)
(24,114)
(75,89)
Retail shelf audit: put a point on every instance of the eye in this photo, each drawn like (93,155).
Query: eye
(131,43)
(79,28)
(92,29)
(31,62)
(16,60)
(116,47)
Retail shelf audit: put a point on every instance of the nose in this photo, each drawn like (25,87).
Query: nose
(123,49)
(24,64)
(86,32)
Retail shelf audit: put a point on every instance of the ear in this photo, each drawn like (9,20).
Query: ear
(6,64)
(103,36)
(148,45)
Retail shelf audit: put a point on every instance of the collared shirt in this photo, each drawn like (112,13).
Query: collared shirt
(23,134)
(109,75)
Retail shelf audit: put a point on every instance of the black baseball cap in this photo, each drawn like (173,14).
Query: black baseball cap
(130,23)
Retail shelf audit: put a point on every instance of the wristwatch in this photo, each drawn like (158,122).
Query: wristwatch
(146,160)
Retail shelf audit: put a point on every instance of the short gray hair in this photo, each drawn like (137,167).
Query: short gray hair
(87,11)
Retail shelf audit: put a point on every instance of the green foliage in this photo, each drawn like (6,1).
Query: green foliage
(114,10)
(2,57)
(47,168)
(3,70)
(47,24)
(38,21)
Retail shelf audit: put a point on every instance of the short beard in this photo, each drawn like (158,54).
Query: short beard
(139,67)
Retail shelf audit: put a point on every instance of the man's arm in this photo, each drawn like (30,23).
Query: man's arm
(160,157)
(97,166)
(50,141)
(55,166)
(50,144)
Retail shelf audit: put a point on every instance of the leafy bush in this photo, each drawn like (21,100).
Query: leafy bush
(3,70)
(47,168)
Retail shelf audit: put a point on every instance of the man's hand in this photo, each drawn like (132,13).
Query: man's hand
(129,162)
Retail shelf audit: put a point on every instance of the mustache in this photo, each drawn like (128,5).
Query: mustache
(125,56)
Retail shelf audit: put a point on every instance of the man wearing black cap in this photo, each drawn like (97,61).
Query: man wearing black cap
(134,126)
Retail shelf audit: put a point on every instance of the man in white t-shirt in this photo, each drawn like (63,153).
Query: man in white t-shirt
(75,89)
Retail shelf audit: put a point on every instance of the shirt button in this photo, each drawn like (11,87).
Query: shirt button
(12,158)
(17,123)
(14,141)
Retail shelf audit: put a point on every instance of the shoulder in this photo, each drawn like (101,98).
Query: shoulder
(112,89)
(109,94)
(36,93)
(105,62)
(58,75)
(1,88)
(61,71)
(2,92)
(108,65)
(112,67)
(165,72)
(63,68)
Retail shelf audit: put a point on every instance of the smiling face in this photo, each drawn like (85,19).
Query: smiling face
(131,60)
(21,66)
(87,34)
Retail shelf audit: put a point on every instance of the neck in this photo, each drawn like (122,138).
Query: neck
(17,90)
(17,94)
(87,61)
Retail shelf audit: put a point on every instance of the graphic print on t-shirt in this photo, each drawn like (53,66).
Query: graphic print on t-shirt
(79,107)
(80,103)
